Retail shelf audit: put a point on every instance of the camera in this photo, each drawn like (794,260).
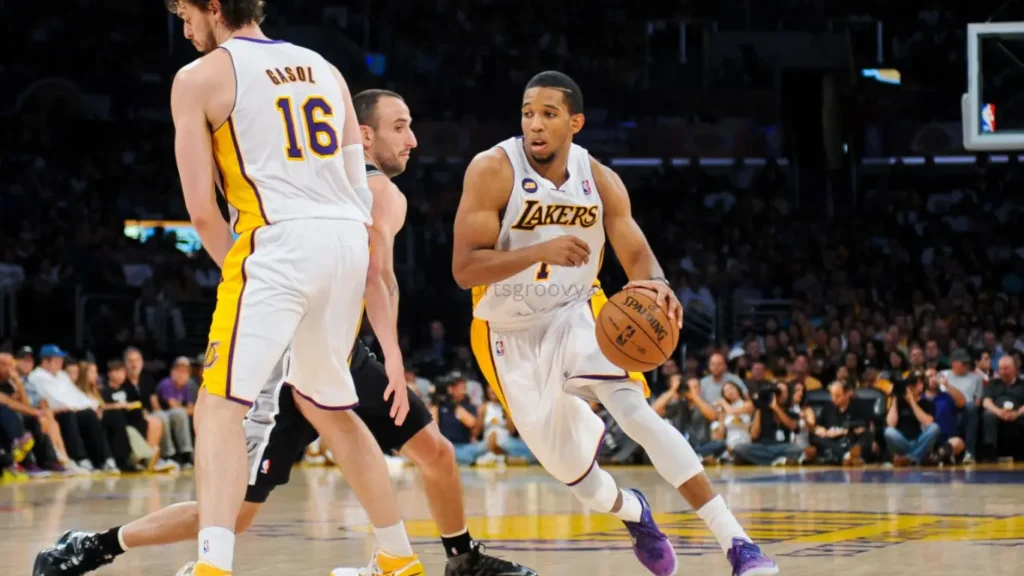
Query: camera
(441,395)
(763,397)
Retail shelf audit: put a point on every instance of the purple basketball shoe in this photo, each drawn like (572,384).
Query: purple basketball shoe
(748,560)
(650,545)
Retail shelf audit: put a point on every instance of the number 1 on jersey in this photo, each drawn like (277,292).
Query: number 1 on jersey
(543,272)
(321,137)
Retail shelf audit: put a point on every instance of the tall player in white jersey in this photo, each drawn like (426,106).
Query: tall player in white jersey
(275,124)
(534,212)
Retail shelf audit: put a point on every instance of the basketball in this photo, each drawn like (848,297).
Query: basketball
(634,333)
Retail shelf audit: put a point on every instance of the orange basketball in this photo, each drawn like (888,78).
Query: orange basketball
(634,333)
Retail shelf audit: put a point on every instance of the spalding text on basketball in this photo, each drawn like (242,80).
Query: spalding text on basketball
(537,214)
(659,331)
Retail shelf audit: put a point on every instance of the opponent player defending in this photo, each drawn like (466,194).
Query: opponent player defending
(279,122)
(532,211)
(278,433)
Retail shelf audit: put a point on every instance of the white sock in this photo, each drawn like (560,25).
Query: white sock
(394,540)
(217,547)
(120,539)
(631,509)
(722,523)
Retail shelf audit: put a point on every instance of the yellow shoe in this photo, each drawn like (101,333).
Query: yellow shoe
(384,564)
(202,569)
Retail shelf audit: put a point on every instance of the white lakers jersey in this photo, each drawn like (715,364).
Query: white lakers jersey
(538,211)
(279,153)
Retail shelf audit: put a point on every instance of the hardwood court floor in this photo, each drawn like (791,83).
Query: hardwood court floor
(812,521)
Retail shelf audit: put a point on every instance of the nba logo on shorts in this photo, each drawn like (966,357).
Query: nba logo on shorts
(265,467)
(586,187)
(206,546)
(988,118)
(499,348)
(529,186)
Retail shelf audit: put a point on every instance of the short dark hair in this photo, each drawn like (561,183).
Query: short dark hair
(115,365)
(237,13)
(365,104)
(559,81)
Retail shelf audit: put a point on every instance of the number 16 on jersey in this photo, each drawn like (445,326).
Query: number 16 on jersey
(320,136)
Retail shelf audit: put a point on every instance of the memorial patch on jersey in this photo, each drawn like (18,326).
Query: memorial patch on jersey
(529,185)
(536,214)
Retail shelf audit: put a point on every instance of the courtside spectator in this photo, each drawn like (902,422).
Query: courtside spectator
(771,431)
(801,408)
(176,441)
(173,391)
(456,417)
(83,433)
(1004,411)
(504,446)
(150,428)
(25,420)
(799,371)
(911,431)
(13,387)
(687,411)
(844,433)
(948,400)
(971,385)
(734,417)
(712,384)
(112,416)
(26,362)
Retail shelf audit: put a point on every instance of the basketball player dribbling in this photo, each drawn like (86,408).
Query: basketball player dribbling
(277,433)
(276,122)
(534,211)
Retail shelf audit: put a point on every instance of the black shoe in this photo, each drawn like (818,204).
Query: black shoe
(74,553)
(476,563)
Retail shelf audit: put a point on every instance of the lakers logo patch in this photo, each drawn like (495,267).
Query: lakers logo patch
(529,185)
(211,355)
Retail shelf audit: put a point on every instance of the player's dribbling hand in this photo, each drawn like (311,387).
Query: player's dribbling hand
(397,386)
(664,297)
(565,250)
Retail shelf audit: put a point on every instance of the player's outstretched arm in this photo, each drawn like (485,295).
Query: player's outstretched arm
(193,151)
(485,193)
(630,243)
(381,294)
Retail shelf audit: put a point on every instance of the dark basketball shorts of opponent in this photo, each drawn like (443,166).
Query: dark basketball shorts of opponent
(277,434)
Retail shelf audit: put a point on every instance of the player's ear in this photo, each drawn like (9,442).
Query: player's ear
(576,122)
(214,8)
(367,134)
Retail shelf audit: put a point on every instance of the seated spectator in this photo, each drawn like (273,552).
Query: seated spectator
(456,417)
(173,390)
(911,431)
(801,408)
(1004,411)
(117,395)
(771,431)
(844,434)
(971,386)
(113,418)
(983,366)
(734,417)
(799,371)
(948,400)
(78,415)
(685,409)
(12,387)
(21,424)
(503,442)
(176,441)
(711,386)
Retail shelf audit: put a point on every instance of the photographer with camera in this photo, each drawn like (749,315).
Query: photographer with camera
(457,419)
(771,431)
(684,408)
(844,434)
(912,432)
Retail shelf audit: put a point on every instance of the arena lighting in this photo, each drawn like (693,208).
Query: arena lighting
(962,159)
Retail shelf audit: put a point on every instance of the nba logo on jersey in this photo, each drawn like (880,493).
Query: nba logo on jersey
(499,348)
(586,187)
(988,118)
(529,186)
(265,467)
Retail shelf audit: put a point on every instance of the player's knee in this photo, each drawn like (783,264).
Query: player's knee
(958,445)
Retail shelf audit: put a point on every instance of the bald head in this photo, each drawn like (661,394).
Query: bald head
(1007,369)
